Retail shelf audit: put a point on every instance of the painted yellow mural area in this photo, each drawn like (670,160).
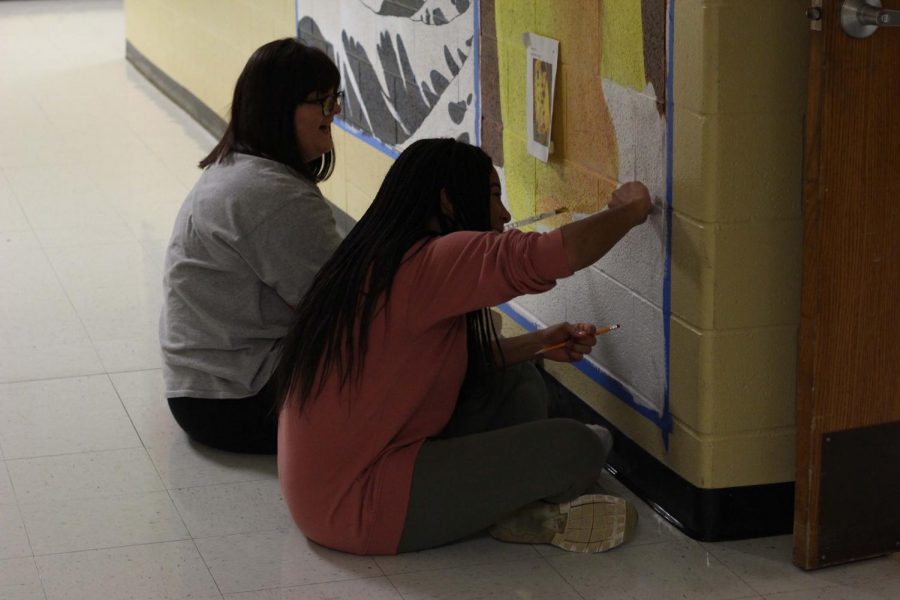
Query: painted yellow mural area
(608,127)
(621,44)
(585,162)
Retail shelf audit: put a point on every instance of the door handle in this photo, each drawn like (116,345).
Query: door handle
(862,18)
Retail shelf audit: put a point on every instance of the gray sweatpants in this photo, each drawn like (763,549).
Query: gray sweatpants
(498,453)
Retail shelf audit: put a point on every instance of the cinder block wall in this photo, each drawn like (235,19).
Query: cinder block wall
(739,83)
(740,92)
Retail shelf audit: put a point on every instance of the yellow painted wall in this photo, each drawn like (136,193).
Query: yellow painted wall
(739,92)
(204,44)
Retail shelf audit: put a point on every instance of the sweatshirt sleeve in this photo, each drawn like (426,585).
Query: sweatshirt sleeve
(465,271)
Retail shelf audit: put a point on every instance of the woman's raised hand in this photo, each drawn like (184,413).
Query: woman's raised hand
(588,239)
(636,195)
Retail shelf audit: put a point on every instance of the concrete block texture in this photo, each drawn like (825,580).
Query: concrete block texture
(705,460)
(733,382)
(741,57)
(732,276)
(737,167)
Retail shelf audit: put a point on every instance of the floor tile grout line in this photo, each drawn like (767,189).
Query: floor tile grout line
(203,559)
(57,454)
(115,547)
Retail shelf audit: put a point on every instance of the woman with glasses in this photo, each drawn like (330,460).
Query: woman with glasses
(249,238)
(398,430)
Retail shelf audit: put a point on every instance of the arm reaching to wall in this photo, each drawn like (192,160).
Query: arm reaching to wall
(587,240)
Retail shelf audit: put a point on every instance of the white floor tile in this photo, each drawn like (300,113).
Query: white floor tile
(90,233)
(13,241)
(873,569)
(11,216)
(651,571)
(765,565)
(13,538)
(130,354)
(84,475)
(172,570)
(216,510)
(143,394)
(59,525)
(481,550)
(373,588)
(44,361)
(184,464)
(884,589)
(33,186)
(37,417)
(39,314)
(101,277)
(19,580)
(278,558)
(525,579)
(7,495)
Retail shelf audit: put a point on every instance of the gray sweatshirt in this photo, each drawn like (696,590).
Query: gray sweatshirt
(249,239)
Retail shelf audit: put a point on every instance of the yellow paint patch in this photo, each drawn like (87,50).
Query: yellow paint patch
(622,43)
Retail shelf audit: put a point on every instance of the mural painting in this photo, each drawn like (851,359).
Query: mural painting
(409,67)
(615,129)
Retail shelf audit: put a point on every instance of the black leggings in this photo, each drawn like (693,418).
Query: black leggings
(247,425)
(499,453)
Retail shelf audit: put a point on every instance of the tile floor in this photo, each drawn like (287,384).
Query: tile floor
(101,495)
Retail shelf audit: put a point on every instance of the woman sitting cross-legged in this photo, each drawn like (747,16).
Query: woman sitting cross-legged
(248,240)
(406,422)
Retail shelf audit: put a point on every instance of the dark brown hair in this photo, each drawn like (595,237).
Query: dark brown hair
(276,79)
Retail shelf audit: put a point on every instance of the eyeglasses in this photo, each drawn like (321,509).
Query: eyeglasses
(330,103)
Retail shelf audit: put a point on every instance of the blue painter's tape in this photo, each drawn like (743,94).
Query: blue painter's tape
(667,278)
(610,384)
(370,140)
(476,51)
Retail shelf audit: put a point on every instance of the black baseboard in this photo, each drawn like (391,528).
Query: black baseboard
(708,515)
(180,95)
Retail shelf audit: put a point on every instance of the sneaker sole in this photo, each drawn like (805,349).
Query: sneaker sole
(590,523)
(595,523)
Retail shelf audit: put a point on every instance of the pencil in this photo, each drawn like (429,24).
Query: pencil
(535,218)
(600,331)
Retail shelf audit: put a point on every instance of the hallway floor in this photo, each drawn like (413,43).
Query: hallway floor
(101,495)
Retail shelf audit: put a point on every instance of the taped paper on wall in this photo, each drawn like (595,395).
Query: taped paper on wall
(541,62)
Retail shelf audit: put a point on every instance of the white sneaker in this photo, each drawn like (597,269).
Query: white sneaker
(590,523)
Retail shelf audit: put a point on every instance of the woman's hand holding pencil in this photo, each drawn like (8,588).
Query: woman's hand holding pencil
(567,342)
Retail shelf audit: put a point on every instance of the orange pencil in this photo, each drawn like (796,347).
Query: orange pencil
(600,331)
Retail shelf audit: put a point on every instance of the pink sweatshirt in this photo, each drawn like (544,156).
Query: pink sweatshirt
(346,463)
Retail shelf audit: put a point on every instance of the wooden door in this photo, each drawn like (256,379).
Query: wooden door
(848,400)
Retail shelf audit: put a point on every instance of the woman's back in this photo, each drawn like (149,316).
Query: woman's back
(246,244)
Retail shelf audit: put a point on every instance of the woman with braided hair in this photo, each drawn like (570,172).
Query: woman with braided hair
(405,421)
